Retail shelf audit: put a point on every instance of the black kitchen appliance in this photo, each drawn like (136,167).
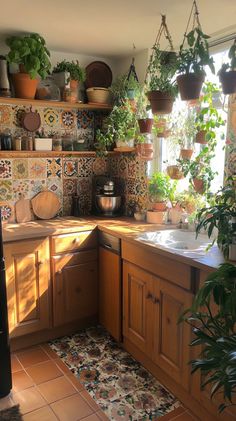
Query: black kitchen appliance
(5,356)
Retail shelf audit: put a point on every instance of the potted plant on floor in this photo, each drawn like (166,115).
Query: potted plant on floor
(192,59)
(227,73)
(32,56)
(72,73)
(161,70)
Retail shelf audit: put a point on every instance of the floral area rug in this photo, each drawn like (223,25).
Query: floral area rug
(123,389)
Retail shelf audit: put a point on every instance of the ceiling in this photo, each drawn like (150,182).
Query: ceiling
(110,27)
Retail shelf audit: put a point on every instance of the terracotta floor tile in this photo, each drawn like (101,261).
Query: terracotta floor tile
(15,364)
(44,372)
(76,383)
(73,408)
(29,400)
(21,381)
(63,366)
(90,401)
(49,351)
(32,356)
(42,414)
(102,416)
(6,402)
(56,389)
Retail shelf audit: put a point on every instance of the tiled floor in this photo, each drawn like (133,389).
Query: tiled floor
(46,390)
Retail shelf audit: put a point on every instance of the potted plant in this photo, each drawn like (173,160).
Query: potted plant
(160,126)
(227,73)
(32,56)
(184,130)
(123,88)
(159,190)
(103,142)
(122,125)
(144,147)
(174,172)
(212,318)
(192,59)
(144,121)
(70,73)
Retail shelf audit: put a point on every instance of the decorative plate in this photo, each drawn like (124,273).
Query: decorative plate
(99,74)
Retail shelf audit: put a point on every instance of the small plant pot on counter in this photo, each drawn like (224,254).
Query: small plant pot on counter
(155,217)
(159,206)
(201,137)
(199,186)
(190,85)
(186,153)
(228,82)
(174,172)
(139,216)
(145,125)
(145,151)
(24,86)
(161,102)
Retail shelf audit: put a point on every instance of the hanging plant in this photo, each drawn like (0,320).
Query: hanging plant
(193,58)
(227,73)
(160,74)
(144,148)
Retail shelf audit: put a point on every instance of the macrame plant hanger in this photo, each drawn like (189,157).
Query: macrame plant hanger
(194,15)
(132,70)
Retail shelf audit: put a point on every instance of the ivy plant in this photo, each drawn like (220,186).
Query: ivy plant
(161,71)
(73,68)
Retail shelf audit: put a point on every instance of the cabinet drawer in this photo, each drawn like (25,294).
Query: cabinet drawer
(72,259)
(72,242)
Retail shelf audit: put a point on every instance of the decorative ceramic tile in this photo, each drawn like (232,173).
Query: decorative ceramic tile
(37,168)
(6,190)
(123,166)
(36,186)
(130,186)
(51,117)
(20,168)
(67,202)
(88,136)
(85,167)
(67,119)
(7,211)
(113,166)
(85,204)
(54,167)
(85,119)
(55,185)
(20,188)
(5,115)
(18,112)
(69,167)
(84,185)
(5,168)
(100,166)
(69,186)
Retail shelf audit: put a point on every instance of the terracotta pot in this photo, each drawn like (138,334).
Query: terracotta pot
(24,86)
(174,172)
(74,84)
(161,102)
(190,85)
(186,153)
(164,134)
(155,217)
(145,151)
(145,125)
(159,206)
(228,82)
(198,185)
(201,137)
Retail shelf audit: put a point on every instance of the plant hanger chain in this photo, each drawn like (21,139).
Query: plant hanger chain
(132,70)
(194,14)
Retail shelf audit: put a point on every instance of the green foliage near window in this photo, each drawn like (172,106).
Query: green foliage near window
(122,86)
(31,52)
(219,216)
(232,60)
(183,128)
(161,71)
(73,67)
(213,319)
(161,188)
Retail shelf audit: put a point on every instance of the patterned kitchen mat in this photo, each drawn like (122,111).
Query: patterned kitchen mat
(123,389)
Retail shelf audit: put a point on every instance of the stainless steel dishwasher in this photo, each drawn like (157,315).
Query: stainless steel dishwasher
(110,287)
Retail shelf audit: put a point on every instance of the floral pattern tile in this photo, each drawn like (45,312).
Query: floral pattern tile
(100,166)
(20,189)
(68,119)
(5,168)
(54,167)
(5,115)
(69,186)
(35,187)
(6,190)
(37,168)
(84,185)
(55,185)
(51,117)
(85,119)
(116,381)
(67,203)
(85,167)
(20,168)
(70,168)
(7,211)
(18,112)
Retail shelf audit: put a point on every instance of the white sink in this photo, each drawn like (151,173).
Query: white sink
(178,240)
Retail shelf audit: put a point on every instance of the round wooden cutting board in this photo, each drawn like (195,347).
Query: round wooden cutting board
(46,205)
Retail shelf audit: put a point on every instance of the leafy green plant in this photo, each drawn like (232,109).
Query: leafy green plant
(160,187)
(31,52)
(103,143)
(219,216)
(195,56)
(232,60)
(213,319)
(121,86)
(73,68)
(161,71)
(183,128)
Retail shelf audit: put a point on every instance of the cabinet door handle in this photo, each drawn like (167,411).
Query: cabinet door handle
(149,296)
(156,300)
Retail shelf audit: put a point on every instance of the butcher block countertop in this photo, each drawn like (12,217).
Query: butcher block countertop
(123,227)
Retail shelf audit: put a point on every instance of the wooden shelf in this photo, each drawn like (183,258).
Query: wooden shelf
(45,154)
(53,104)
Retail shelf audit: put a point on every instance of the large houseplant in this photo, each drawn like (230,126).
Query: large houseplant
(160,189)
(213,319)
(32,56)
(227,73)
(123,88)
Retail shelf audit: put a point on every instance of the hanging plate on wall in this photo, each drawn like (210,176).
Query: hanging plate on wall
(98,74)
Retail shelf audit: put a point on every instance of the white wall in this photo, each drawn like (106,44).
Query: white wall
(141,62)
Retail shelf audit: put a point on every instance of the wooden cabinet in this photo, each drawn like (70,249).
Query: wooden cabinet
(110,307)
(152,307)
(28,283)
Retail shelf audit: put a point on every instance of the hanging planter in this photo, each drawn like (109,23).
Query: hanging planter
(145,151)
(193,57)
(227,73)
(201,137)
(160,74)
(145,125)
(199,185)
(174,172)
(186,153)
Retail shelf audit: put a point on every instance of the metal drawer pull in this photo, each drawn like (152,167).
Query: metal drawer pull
(149,296)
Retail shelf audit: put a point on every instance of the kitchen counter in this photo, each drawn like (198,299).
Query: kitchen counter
(123,227)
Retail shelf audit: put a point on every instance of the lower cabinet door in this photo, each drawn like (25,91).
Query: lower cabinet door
(171,351)
(28,283)
(137,306)
(75,290)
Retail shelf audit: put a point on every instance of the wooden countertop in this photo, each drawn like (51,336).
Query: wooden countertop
(124,228)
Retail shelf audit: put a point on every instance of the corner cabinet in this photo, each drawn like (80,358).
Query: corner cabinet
(28,286)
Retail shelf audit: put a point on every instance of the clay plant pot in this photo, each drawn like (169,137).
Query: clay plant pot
(186,153)
(190,85)
(154,217)
(145,125)
(24,86)
(145,151)
(198,185)
(228,82)
(174,172)
(161,102)
(159,206)
(201,137)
